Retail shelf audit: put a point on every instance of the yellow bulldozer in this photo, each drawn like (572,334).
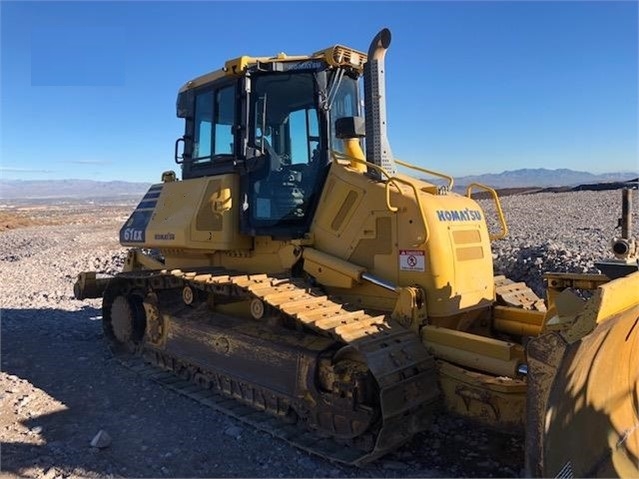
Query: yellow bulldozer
(295,279)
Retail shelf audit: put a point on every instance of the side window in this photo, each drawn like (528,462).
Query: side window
(344,104)
(203,119)
(224,120)
(214,121)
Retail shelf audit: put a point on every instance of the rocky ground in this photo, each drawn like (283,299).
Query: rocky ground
(564,232)
(59,385)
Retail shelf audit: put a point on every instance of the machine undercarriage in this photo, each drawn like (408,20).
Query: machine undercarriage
(361,380)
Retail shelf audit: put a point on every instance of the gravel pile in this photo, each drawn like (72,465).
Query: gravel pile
(38,265)
(560,232)
(59,386)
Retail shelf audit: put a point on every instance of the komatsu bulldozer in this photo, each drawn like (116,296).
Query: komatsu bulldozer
(295,279)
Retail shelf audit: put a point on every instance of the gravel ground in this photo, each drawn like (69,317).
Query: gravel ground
(563,232)
(59,386)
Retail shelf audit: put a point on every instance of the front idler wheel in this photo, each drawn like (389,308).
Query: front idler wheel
(126,322)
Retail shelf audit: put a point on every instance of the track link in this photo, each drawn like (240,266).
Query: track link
(403,370)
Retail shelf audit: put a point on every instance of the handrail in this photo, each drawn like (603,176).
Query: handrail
(388,182)
(500,213)
(450,179)
(344,156)
(391,180)
(419,203)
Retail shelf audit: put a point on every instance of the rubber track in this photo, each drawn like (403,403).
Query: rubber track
(403,369)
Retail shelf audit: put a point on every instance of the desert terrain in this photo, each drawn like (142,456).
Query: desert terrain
(59,385)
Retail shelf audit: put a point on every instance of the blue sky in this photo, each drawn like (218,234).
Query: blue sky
(88,89)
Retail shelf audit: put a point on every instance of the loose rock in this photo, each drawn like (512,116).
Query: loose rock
(101,440)
(233,431)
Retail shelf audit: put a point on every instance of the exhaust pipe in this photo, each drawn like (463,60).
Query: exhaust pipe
(378,149)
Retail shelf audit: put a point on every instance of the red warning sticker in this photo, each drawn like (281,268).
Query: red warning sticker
(412,260)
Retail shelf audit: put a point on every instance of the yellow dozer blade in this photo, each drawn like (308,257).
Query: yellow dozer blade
(583,400)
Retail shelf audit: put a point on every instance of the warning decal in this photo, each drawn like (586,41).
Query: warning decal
(412,260)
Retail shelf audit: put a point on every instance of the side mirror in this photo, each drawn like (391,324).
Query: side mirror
(185,104)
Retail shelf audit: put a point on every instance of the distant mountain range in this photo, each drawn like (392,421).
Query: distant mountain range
(24,189)
(539,177)
(543,178)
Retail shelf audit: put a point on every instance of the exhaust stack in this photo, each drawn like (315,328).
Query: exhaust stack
(378,149)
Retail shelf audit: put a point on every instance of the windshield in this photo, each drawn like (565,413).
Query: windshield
(285,120)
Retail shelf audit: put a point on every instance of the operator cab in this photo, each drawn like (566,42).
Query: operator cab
(274,126)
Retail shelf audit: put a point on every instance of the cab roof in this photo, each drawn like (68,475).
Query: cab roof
(334,56)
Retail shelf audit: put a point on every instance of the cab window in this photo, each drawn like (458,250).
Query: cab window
(344,105)
(224,121)
(214,121)
(285,131)
(203,120)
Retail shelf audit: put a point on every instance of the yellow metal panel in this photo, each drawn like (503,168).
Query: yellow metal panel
(610,299)
(518,321)
(330,270)
(617,296)
(474,262)
(381,244)
(481,345)
(329,227)
(237,66)
(341,55)
(470,253)
(433,226)
(198,214)
(474,361)
(207,219)
(494,401)
(346,207)
(203,80)
(466,236)
(335,56)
